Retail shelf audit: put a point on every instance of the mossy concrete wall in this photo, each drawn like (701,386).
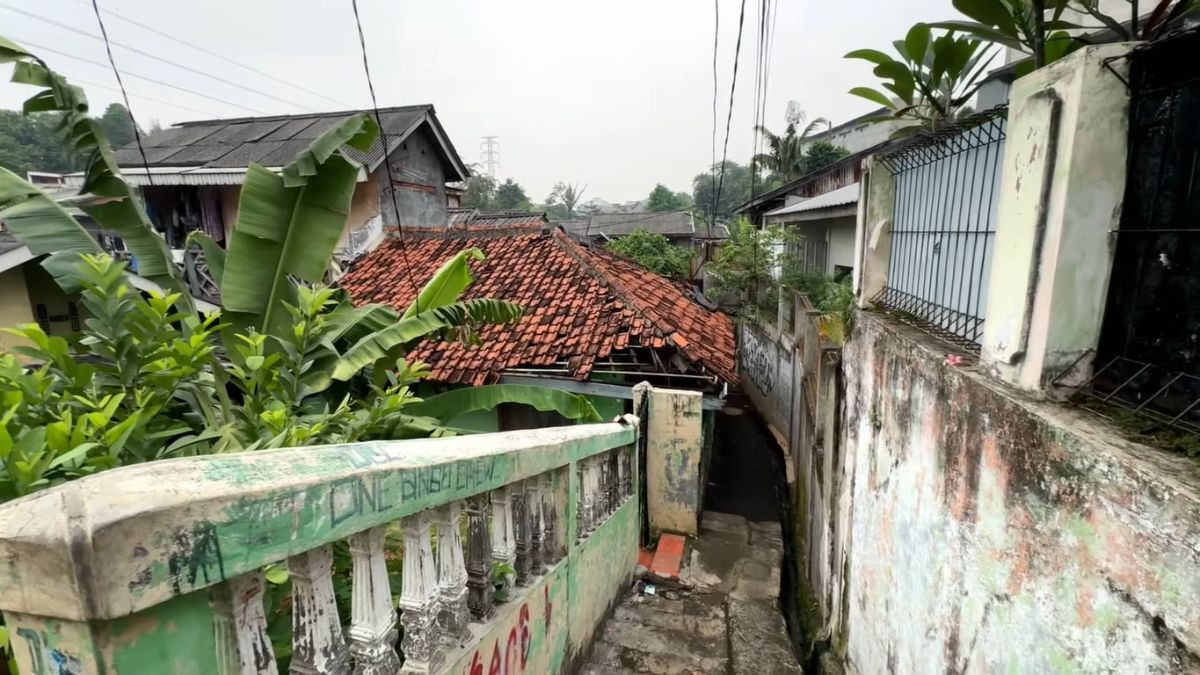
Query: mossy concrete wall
(991,533)
(113,573)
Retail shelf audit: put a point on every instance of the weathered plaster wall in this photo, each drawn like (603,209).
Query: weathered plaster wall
(995,534)
(766,368)
(14,306)
(420,183)
(674,457)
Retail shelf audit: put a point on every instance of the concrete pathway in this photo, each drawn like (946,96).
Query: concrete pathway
(720,616)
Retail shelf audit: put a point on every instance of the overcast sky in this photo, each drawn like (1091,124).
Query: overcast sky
(614,94)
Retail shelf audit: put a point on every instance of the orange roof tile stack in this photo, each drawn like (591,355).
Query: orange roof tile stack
(581,304)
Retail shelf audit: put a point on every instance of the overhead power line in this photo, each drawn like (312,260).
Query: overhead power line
(137,135)
(737,52)
(712,214)
(142,77)
(387,164)
(101,85)
(218,55)
(155,57)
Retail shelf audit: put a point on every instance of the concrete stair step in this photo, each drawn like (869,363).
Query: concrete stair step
(632,659)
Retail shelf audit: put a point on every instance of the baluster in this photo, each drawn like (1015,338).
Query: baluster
(243,645)
(581,501)
(418,600)
(452,577)
(627,473)
(372,614)
(593,493)
(602,496)
(479,559)
(520,514)
(587,496)
(614,481)
(316,630)
(533,503)
(504,545)
(550,545)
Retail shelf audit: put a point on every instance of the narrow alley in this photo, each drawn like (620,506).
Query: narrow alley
(720,613)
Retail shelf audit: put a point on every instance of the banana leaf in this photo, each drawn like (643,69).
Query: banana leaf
(116,208)
(45,227)
(449,405)
(389,342)
(447,284)
(288,226)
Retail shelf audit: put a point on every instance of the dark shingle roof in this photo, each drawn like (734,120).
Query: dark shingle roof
(668,223)
(581,305)
(274,141)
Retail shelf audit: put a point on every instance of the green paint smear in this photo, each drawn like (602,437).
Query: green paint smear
(176,637)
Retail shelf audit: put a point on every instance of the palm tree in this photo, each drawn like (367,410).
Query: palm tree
(786,156)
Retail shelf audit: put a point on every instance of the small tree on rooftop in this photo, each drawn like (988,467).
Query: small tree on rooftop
(567,196)
(510,196)
(654,252)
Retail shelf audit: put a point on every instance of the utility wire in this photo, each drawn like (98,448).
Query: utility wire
(712,214)
(100,85)
(218,55)
(737,52)
(387,164)
(142,77)
(137,135)
(108,45)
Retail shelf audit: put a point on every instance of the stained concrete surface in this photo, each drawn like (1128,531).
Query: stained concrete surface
(721,617)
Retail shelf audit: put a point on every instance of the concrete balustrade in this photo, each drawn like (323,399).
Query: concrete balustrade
(158,568)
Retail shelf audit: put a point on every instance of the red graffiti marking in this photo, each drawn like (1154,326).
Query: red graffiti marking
(495,667)
(511,656)
(524,625)
(476,667)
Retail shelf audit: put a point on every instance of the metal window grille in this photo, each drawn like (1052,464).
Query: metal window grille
(1148,358)
(944,226)
(809,256)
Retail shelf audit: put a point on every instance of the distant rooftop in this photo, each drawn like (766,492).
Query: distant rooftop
(229,146)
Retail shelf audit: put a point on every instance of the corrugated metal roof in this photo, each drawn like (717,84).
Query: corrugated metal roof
(838,197)
(666,223)
(275,141)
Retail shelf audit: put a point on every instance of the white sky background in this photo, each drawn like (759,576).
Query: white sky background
(614,94)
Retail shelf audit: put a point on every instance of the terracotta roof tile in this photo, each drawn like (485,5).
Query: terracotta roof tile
(580,304)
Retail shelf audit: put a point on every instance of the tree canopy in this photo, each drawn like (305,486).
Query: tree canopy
(510,196)
(34,143)
(662,199)
(735,190)
(480,191)
(821,154)
(563,199)
(654,252)
(117,125)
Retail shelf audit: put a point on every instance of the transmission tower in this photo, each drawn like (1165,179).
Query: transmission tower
(489,154)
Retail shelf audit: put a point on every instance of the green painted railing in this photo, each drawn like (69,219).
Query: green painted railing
(159,568)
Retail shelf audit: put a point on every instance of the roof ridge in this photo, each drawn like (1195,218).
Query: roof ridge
(300,116)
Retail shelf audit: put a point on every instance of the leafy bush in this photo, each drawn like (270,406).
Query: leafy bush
(654,252)
(744,265)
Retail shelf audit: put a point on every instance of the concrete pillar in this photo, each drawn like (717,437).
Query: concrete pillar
(674,451)
(1060,197)
(874,237)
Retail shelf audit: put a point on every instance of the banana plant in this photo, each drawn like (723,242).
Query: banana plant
(42,224)
(932,80)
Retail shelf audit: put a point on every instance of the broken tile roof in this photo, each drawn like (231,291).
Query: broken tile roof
(581,305)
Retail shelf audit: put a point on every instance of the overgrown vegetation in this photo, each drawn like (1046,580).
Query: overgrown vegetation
(834,298)
(744,266)
(286,362)
(654,252)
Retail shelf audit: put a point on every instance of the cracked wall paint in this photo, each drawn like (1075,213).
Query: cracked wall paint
(996,534)
(674,457)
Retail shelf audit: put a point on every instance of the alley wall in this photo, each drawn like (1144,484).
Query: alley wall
(992,534)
